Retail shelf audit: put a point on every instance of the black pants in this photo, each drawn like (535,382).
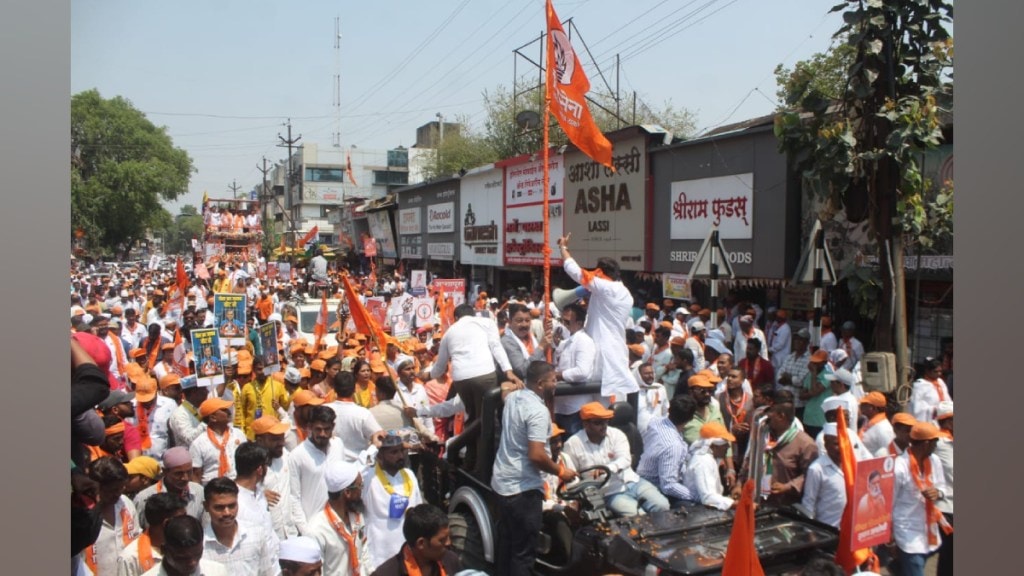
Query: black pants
(472,391)
(945,567)
(518,532)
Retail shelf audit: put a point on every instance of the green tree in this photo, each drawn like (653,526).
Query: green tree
(860,150)
(464,149)
(824,73)
(180,231)
(122,167)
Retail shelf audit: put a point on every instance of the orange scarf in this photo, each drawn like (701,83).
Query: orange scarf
(411,567)
(348,537)
(946,434)
(142,417)
(867,425)
(589,275)
(146,560)
(126,538)
(938,389)
(932,512)
(95,452)
(736,411)
(118,353)
(222,446)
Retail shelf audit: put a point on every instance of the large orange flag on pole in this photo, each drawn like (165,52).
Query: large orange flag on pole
(846,556)
(361,317)
(741,555)
(567,87)
(320,328)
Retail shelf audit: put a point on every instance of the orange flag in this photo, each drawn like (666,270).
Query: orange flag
(567,87)
(741,555)
(320,328)
(846,557)
(348,168)
(363,320)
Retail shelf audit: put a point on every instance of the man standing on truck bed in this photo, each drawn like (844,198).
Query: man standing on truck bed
(522,455)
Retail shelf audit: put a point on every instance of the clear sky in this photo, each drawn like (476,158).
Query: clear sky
(224,76)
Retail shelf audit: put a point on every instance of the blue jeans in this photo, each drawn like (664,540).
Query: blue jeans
(912,564)
(638,495)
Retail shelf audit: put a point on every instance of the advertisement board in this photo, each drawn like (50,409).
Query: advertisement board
(480,207)
(524,211)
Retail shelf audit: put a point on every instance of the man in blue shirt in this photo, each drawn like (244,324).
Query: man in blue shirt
(523,454)
(665,451)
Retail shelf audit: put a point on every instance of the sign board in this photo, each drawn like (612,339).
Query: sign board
(711,250)
(154,261)
(726,202)
(424,310)
(873,493)
(411,246)
(409,221)
(377,308)
(400,314)
(606,211)
(268,347)
(441,250)
(380,228)
(441,218)
(480,204)
(284,271)
(676,286)
(453,288)
(369,247)
(797,298)
(805,269)
(207,355)
(418,282)
(524,211)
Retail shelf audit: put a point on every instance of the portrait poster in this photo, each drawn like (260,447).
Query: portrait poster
(268,345)
(229,318)
(206,350)
(873,493)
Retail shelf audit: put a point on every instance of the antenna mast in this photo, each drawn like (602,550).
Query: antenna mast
(336,137)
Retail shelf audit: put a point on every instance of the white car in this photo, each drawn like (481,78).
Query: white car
(308,313)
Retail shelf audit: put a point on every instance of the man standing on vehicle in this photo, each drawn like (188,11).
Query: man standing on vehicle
(318,266)
(523,454)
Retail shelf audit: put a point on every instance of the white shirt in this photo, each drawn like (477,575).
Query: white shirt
(652,403)
(924,399)
(463,344)
(353,426)
(909,519)
(109,544)
(693,344)
(825,491)
(306,478)
(202,450)
(609,305)
(159,419)
(253,552)
(254,509)
(206,568)
(384,534)
(417,398)
(854,352)
(878,436)
(577,359)
(334,549)
(859,451)
(739,345)
(128,561)
(278,480)
(701,478)
(134,336)
(829,342)
(779,343)
(944,452)
(185,427)
(612,452)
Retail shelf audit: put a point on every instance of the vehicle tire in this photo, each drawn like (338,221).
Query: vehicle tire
(467,542)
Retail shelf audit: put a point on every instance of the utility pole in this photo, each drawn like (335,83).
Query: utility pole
(440,139)
(289,143)
(264,196)
(234,188)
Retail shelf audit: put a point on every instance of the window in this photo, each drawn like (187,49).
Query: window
(398,158)
(314,174)
(386,178)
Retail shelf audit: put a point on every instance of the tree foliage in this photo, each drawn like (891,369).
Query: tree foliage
(861,148)
(179,231)
(824,73)
(122,167)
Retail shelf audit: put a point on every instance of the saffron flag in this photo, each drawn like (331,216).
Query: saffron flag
(348,169)
(567,87)
(309,237)
(363,320)
(846,556)
(741,554)
(320,328)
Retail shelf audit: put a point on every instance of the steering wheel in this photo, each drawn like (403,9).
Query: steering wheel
(576,490)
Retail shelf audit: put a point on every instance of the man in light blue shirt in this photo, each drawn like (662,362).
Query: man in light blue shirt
(523,454)
(665,451)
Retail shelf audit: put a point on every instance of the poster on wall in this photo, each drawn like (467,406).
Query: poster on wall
(524,211)
(480,204)
(206,352)
(723,201)
(606,212)
(676,286)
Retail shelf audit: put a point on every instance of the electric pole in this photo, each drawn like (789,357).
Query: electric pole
(234,188)
(289,143)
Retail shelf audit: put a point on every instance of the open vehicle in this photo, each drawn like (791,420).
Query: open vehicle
(229,247)
(689,540)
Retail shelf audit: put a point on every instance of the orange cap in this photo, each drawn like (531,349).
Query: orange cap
(716,430)
(677,341)
(595,411)
(924,431)
(556,430)
(653,307)
(211,405)
(637,349)
(711,376)
(819,355)
(306,398)
(268,425)
(145,389)
(875,398)
(699,381)
(318,365)
(904,418)
(167,380)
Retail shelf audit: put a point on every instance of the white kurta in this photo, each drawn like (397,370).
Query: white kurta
(924,399)
(306,478)
(825,491)
(909,524)
(334,549)
(278,481)
(609,305)
(109,544)
(384,534)
(701,478)
(878,436)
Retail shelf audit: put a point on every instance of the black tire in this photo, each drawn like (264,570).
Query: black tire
(467,543)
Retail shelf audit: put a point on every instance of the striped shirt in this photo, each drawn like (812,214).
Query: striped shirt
(662,461)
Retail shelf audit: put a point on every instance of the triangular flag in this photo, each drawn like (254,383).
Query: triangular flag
(362,319)
(348,169)
(567,87)
(846,557)
(741,555)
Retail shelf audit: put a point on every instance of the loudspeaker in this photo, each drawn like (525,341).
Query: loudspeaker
(563,298)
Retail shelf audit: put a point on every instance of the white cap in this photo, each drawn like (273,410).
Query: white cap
(830,429)
(124,293)
(340,475)
(275,317)
(837,356)
(682,310)
(301,549)
(292,375)
(697,326)
(831,403)
(402,359)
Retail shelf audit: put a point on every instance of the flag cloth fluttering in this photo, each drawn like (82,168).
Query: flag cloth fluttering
(320,328)
(846,557)
(567,87)
(362,318)
(307,240)
(348,169)
(741,555)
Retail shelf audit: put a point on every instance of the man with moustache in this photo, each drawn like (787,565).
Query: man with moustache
(177,466)
(339,528)
(389,490)
(270,433)
(307,463)
(244,548)
(183,551)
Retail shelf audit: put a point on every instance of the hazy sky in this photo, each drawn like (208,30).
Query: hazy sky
(224,76)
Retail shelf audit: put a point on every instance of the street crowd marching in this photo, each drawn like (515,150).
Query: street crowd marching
(306,468)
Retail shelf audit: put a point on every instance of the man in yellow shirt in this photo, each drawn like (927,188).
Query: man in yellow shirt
(261,395)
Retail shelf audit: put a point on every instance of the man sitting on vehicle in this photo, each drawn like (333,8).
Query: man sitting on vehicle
(318,266)
(597,444)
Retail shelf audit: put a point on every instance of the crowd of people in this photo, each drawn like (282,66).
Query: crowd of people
(306,468)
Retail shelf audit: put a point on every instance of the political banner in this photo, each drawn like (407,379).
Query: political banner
(229,318)
(377,308)
(272,270)
(676,286)
(206,350)
(284,271)
(418,282)
(268,345)
(424,311)
(400,314)
(455,289)
(873,493)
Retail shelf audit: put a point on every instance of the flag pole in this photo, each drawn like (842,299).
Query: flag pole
(547,179)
